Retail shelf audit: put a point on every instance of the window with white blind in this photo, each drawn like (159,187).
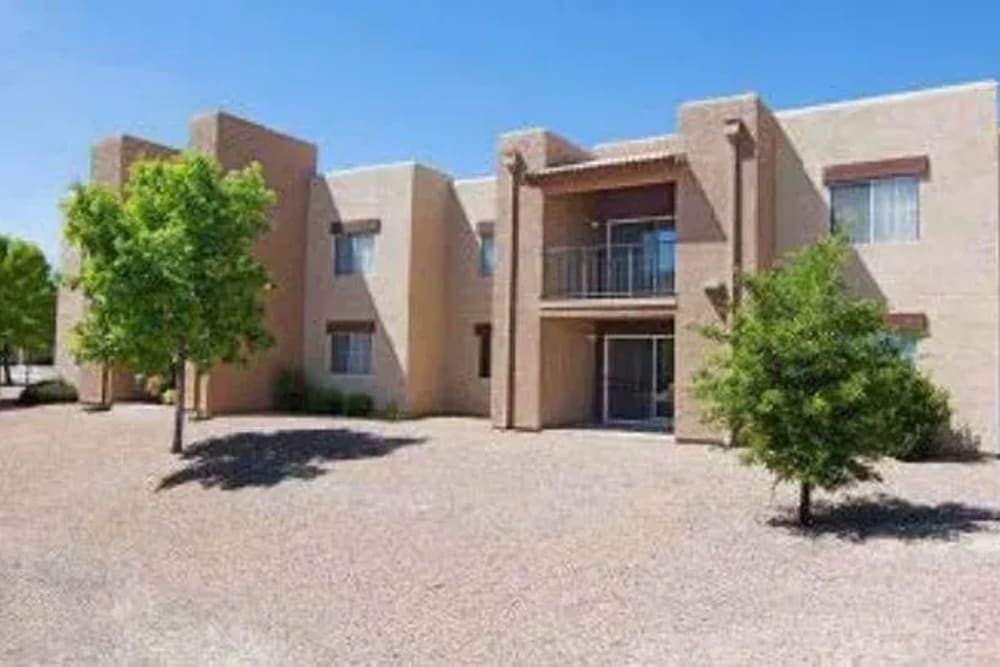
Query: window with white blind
(351,352)
(878,210)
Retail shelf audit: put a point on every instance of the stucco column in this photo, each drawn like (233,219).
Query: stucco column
(716,219)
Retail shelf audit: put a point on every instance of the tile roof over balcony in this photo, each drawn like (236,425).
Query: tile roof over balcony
(608,173)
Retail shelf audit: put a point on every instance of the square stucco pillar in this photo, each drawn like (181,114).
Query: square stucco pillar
(515,387)
(289,165)
(717,238)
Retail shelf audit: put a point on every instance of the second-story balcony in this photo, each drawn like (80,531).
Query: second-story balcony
(619,270)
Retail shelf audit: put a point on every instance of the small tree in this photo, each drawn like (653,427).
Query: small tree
(174,279)
(807,377)
(94,226)
(27,301)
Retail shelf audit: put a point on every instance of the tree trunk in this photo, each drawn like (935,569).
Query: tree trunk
(5,359)
(105,382)
(805,507)
(179,378)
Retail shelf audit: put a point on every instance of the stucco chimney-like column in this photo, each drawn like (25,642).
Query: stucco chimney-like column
(514,164)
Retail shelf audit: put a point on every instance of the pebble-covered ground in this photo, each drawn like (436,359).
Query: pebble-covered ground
(308,540)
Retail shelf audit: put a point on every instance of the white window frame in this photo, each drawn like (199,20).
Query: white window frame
(350,336)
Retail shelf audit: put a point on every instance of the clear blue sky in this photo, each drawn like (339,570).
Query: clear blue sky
(374,82)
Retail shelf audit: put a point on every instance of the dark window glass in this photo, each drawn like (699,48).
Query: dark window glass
(484,333)
(353,253)
(351,353)
(487,255)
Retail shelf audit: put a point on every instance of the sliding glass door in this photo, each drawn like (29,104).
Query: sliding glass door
(638,379)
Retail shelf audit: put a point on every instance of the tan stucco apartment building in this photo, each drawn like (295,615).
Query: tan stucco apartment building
(568,287)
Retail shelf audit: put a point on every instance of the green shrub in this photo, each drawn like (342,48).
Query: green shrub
(359,405)
(320,401)
(168,397)
(48,391)
(289,391)
(807,377)
(923,413)
(391,412)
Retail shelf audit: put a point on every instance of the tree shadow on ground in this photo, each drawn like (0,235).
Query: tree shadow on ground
(884,516)
(264,459)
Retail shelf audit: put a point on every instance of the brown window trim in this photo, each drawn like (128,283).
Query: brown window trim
(350,326)
(362,226)
(913,165)
(915,323)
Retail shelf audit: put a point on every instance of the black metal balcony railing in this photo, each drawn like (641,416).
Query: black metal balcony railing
(609,271)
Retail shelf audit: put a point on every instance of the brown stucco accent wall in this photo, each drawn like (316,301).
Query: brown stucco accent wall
(706,255)
(537,149)
(289,165)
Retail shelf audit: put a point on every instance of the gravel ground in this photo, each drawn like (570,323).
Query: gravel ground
(302,540)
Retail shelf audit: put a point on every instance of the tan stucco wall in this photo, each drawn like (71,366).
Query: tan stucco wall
(426,297)
(288,166)
(384,193)
(110,161)
(469,296)
(537,148)
(951,272)
(567,372)
(665,143)
(429,351)
(705,208)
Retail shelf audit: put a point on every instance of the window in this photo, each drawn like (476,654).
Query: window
(484,333)
(487,255)
(351,352)
(878,210)
(353,253)
(905,343)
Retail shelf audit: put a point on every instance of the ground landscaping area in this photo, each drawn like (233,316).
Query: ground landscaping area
(303,540)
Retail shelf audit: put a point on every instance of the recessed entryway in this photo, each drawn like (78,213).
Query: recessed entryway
(638,379)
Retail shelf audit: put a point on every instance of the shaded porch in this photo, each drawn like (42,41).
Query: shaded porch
(608,371)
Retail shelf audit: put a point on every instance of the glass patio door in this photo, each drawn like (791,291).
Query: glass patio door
(638,379)
(641,256)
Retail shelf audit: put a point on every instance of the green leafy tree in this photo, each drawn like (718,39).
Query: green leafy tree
(94,226)
(169,268)
(27,302)
(809,381)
